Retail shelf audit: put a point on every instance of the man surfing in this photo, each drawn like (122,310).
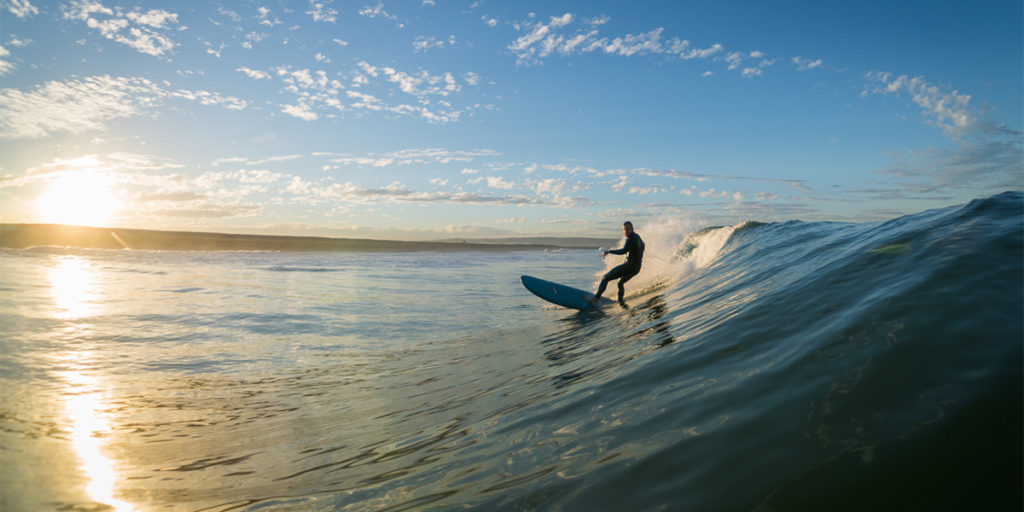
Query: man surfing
(634,251)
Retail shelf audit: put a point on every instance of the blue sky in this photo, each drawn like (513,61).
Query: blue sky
(437,118)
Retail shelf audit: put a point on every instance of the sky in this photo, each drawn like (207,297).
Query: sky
(430,119)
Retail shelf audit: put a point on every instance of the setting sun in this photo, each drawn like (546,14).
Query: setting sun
(81,198)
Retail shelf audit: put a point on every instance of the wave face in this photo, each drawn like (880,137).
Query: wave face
(824,366)
(764,366)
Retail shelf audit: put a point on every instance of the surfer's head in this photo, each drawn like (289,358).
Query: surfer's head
(627,228)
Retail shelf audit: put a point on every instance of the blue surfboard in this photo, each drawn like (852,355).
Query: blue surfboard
(561,294)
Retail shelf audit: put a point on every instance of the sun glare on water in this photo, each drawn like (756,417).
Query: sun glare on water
(84,198)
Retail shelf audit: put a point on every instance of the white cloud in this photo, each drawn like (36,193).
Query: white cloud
(300,111)
(73,106)
(525,46)
(22,8)
(255,73)
(550,186)
(17,42)
(376,12)
(712,193)
(621,184)
(340,42)
(647,190)
(417,156)
(423,83)
(633,44)
(948,110)
(87,104)
(348,192)
(251,38)
(497,182)
(734,59)
(136,29)
(318,92)
(682,49)
(210,98)
(321,12)
(803,64)
(264,17)
(422,43)
(551,37)
(365,101)
(211,51)
(5,65)
(249,161)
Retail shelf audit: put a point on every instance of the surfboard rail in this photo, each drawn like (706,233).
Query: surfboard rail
(562,295)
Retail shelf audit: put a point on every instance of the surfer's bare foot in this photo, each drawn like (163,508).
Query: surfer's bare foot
(623,304)
(592,299)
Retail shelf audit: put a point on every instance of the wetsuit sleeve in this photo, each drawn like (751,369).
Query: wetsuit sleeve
(624,250)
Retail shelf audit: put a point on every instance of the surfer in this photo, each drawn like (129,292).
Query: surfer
(634,251)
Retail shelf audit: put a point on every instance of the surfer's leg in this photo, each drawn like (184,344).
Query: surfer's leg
(622,288)
(612,274)
(601,288)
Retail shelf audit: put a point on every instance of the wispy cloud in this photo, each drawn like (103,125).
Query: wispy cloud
(325,191)
(254,73)
(414,156)
(986,162)
(320,11)
(6,66)
(144,31)
(376,11)
(318,94)
(949,110)
(87,104)
(803,64)
(563,36)
(986,156)
(672,173)
(22,8)
(424,43)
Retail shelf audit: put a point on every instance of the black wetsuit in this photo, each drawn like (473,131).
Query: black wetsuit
(634,251)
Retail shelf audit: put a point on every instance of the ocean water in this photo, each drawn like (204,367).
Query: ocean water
(764,366)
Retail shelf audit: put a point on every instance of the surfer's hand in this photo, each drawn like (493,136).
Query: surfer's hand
(603,254)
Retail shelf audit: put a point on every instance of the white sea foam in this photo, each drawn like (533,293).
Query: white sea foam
(674,249)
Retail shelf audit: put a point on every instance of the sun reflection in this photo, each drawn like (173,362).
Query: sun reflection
(74,288)
(88,425)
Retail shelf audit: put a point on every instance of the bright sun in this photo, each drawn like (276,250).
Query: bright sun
(82,198)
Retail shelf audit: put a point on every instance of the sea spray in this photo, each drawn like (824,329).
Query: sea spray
(674,249)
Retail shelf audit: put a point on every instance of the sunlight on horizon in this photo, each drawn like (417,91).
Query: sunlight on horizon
(84,198)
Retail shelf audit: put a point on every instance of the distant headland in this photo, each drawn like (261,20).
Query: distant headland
(23,236)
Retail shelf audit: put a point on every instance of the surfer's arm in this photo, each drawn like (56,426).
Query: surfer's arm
(624,250)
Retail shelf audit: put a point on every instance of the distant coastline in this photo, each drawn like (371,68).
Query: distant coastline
(23,236)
